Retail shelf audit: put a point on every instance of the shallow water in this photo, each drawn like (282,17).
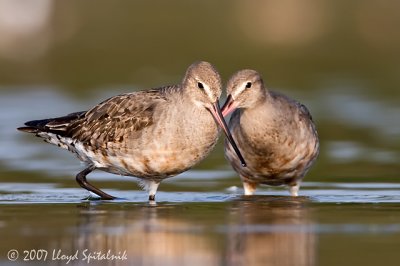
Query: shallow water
(338,58)
(201,217)
(202,229)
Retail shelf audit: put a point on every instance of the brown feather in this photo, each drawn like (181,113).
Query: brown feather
(130,112)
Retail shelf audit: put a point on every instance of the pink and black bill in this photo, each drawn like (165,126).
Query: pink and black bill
(216,112)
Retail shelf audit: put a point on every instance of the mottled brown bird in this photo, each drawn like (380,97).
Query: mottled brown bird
(152,134)
(275,134)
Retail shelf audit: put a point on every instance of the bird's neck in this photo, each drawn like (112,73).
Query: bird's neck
(258,106)
(262,112)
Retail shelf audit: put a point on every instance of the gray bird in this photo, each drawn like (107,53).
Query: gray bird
(152,134)
(275,134)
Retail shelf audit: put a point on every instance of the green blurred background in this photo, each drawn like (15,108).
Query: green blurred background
(80,45)
(340,58)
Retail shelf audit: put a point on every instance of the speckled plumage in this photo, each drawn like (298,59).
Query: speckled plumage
(275,134)
(151,134)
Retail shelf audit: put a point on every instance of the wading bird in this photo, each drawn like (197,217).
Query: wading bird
(152,134)
(275,134)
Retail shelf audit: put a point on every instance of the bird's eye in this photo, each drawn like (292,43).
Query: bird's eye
(248,85)
(200,85)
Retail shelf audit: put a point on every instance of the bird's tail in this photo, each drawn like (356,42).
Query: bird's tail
(54,130)
(58,125)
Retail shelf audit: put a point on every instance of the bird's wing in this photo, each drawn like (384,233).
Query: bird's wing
(303,110)
(112,119)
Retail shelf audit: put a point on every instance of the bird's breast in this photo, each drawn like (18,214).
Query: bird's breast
(272,150)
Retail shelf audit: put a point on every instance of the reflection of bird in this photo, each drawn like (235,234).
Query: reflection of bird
(275,134)
(148,236)
(151,134)
(283,237)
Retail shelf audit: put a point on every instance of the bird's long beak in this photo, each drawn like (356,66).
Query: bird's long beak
(229,106)
(216,112)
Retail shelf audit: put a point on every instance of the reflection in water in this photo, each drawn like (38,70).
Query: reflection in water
(149,235)
(258,230)
(270,231)
(262,230)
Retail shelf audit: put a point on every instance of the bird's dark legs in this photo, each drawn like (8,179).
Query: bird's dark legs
(81,179)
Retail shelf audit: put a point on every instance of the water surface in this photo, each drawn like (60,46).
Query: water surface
(349,216)
(339,58)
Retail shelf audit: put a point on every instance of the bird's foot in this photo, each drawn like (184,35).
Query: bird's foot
(294,190)
(152,200)
(249,188)
(94,197)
